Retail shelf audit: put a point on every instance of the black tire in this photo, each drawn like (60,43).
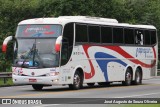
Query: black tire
(128,78)
(77,81)
(37,87)
(138,77)
(104,83)
(90,84)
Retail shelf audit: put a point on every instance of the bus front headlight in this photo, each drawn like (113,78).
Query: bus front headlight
(52,74)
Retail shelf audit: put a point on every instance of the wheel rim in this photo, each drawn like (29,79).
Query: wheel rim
(76,80)
(128,77)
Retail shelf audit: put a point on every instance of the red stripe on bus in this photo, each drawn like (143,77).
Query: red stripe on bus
(126,55)
(92,72)
(121,52)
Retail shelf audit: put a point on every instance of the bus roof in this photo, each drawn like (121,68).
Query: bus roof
(82,19)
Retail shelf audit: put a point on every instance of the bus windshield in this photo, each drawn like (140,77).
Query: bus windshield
(36,46)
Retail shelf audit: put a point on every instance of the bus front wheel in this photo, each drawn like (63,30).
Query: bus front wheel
(77,81)
(37,87)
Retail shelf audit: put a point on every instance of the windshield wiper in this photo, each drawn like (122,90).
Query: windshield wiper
(34,64)
(29,54)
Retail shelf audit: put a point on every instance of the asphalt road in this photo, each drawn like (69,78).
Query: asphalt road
(149,89)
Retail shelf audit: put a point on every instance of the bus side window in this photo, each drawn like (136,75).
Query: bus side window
(153,37)
(139,37)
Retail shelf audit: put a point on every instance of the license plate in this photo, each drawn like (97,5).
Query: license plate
(32,80)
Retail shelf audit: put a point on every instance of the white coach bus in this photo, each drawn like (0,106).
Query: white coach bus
(77,50)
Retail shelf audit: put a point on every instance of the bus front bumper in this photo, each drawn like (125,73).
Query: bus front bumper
(48,80)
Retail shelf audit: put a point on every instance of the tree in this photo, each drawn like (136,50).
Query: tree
(125,11)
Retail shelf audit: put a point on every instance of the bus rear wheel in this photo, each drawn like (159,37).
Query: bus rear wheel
(138,77)
(37,87)
(77,81)
(128,78)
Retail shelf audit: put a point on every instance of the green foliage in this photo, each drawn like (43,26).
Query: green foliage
(125,11)
(6,81)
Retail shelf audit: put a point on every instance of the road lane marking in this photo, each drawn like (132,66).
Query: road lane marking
(138,95)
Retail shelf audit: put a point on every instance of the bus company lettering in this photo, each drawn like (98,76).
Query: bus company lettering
(144,51)
(38,31)
(35,29)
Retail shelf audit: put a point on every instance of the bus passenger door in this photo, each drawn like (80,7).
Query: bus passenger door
(64,60)
(64,52)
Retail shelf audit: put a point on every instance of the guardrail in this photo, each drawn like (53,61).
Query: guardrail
(5,75)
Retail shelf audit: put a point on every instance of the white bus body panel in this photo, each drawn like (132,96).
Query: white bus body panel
(109,63)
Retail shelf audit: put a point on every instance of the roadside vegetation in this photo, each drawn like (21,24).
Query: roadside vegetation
(125,11)
(6,81)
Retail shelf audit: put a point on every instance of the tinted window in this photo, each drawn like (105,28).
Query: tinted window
(117,35)
(81,33)
(68,33)
(106,34)
(147,37)
(94,34)
(139,37)
(153,37)
(129,36)
(67,43)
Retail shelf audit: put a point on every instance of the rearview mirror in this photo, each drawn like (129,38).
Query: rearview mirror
(58,44)
(5,42)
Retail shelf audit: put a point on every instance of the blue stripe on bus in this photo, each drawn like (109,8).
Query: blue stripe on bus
(103,63)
